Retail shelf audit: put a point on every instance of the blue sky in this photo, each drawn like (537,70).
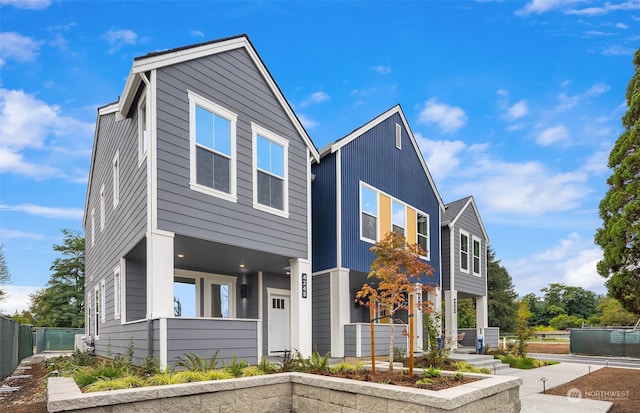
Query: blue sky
(515,103)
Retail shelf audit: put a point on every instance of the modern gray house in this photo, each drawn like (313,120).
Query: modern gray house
(198,211)
(464,270)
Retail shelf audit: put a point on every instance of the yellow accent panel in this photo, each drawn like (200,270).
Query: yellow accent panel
(385,215)
(411,226)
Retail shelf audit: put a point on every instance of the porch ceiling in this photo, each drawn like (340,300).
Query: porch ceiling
(202,255)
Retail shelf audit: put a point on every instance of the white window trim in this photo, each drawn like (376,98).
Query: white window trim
(462,232)
(96,307)
(194,100)
(103,315)
(428,251)
(208,279)
(398,136)
(259,130)
(116,179)
(473,240)
(93,227)
(404,208)
(117,292)
(143,141)
(102,209)
(361,211)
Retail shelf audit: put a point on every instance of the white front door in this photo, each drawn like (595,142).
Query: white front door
(279,323)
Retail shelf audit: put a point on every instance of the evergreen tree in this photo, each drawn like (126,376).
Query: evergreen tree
(502,305)
(619,235)
(61,303)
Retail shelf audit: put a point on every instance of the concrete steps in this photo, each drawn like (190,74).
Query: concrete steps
(479,361)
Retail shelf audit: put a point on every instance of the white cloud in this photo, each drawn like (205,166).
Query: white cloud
(606,8)
(381,70)
(316,97)
(28,123)
(7,234)
(568,102)
(621,26)
(597,33)
(119,38)
(307,122)
(18,298)
(541,6)
(196,33)
(442,157)
(553,135)
(448,118)
(18,47)
(45,211)
(27,4)
(617,50)
(571,261)
(518,110)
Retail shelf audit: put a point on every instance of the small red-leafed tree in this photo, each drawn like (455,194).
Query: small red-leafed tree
(398,269)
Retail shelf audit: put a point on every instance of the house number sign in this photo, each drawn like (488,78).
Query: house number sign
(304,285)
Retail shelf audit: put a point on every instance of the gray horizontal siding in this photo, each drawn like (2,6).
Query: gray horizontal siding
(468,282)
(126,225)
(115,340)
(321,313)
(446,258)
(231,80)
(382,339)
(491,337)
(204,337)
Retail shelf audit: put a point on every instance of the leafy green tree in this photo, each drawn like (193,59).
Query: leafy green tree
(565,322)
(614,315)
(61,303)
(619,235)
(501,300)
(5,277)
(466,313)
(537,308)
(574,301)
(23,318)
(524,332)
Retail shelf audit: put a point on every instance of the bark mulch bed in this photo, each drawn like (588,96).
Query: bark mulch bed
(31,396)
(620,386)
(398,379)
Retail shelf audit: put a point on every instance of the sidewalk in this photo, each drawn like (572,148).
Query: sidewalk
(533,401)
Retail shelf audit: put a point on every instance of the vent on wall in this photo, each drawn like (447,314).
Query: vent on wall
(398,136)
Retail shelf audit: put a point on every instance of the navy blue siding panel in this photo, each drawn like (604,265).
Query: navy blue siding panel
(373,158)
(323,214)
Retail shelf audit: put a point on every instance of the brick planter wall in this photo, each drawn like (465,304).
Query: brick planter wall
(289,392)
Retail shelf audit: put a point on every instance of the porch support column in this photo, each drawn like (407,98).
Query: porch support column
(340,308)
(301,306)
(451,319)
(482,316)
(418,330)
(160,274)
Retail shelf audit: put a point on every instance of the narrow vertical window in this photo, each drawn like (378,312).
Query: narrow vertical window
(270,176)
(422,227)
(116,292)
(464,251)
(102,302)
(116,179)
(368,214)
(93,227)
(143,128)
(102,208)
(96,314)
(476,256)
(398,136)
(398,217)
(212,132)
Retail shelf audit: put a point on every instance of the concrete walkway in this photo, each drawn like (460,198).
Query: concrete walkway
(533,401)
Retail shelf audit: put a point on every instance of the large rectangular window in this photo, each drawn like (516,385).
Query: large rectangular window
(203,295)
(270,154)
(368,214)
(464,251)
(476,256)
(398,217)
(422,228)
(212,131)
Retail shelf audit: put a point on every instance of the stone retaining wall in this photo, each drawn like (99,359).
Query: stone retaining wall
(290,392)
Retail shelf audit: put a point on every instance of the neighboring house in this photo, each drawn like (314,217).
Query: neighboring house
(464,269)
(370,182)
(198,209)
